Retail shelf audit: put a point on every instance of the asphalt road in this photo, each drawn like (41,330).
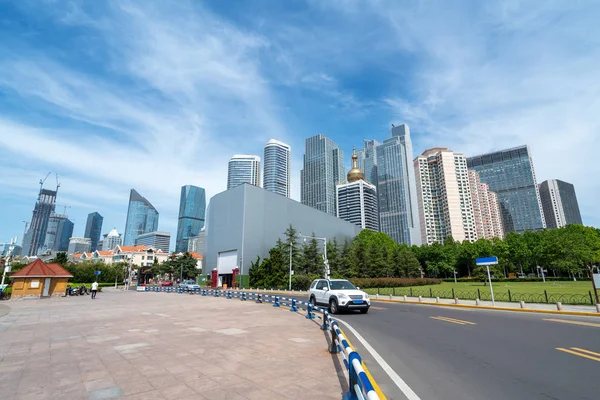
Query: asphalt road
(480,354)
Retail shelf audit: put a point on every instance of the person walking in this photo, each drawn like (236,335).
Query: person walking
(94,289)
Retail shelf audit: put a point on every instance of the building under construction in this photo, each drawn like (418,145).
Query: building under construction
(36,235)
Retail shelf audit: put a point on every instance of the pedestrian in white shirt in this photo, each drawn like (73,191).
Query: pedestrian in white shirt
(94,289)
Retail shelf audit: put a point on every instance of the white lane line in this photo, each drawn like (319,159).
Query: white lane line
(403,386)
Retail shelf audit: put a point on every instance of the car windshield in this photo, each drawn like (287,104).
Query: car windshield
(341,285)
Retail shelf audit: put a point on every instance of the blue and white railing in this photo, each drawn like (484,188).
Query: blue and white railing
(361,386)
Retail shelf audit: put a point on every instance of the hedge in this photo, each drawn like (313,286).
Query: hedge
(536,279)
(366,283)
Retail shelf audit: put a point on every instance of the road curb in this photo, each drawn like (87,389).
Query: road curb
(526,310)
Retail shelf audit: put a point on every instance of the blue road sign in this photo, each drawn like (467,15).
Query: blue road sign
(487,260)
(97,272)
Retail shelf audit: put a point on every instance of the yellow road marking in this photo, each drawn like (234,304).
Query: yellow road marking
(453,320)
(378,308)
(566,321)
(579,354)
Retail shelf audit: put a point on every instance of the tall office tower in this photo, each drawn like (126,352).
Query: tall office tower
(243,168)
(277,167)
(396,188)
(60,230)
(111,240)
(559,203)
(36,235)
(93,229)
(510,174)
(158,240)
(357,199)
(79,245)
(367,160)
(486,209)
(196,244)
(323,169)
(142,217)
(192,209)
(444,193)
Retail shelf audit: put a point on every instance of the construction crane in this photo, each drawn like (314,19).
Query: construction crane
(62,205)
(44,180)
(57,183)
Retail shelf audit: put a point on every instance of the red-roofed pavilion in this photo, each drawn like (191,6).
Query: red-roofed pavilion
(39,279)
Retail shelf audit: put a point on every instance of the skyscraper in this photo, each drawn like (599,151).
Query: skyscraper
(396,188)
(58,233)
(486,209)
(323,169)
(277,166)
(357,199)
(367,160)
(142,217)
(444,194)
(158,240)
(559,203)
(111,240)
(243,168)
(93,229)
(192,209)
(36,235)
(510,174)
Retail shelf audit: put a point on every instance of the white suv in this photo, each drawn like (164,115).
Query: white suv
(338,294)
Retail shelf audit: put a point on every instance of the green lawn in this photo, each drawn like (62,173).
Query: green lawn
(568,292)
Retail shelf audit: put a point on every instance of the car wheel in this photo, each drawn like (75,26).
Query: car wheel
(313,301)
(333,306)
(364,310)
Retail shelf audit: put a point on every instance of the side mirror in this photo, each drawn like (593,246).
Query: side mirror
(357,288)
(326,288)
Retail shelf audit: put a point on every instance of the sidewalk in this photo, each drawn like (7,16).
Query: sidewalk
(162,346)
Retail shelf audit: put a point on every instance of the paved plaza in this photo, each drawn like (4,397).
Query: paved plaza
(161,346)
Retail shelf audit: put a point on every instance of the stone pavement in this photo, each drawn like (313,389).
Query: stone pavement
(162,346)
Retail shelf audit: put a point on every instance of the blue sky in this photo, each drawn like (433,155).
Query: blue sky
(158,94)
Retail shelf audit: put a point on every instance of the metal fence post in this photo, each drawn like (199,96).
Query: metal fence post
(352,374)
(258,298)
(243,296)
(430,292)
(411,292)
(309,311)
(509,296)
(229,294)
(478,294)
(377,290)
(453,296)
(591,298)
(333,348)
(546,294)
(394,291)
(276,304)
(325,325)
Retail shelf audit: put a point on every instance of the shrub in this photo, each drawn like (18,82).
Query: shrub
(366,283)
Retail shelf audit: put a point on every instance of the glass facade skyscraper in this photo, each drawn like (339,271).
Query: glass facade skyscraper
(277,165)
(243,169)
(559,203)
(93,229)
(142,217)
(367,160)
(323,170)
(192,209)
(36,235)
(510,174)
(60,230)
(396,188)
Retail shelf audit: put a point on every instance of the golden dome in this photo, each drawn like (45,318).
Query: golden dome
(355,174)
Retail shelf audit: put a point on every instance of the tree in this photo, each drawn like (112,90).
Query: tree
(61,258)
(405,263)
(311,261)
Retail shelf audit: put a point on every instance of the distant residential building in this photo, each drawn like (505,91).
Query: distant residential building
(111,240)
(78,245)
(142,217)
(559,203)
(158,240)
(196,243)
(277,167)
(192,209)
(93,229)
(59,231)
(36,235)
(486,209)
(444,193)
(510,174)
(396,188)
(357,199)
(243,168)
(323,169)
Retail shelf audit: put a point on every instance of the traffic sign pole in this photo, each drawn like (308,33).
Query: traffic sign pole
(491,288)
(487,261)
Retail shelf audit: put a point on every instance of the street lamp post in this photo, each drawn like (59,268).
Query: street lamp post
(290,286)
(325,261)
(7,263)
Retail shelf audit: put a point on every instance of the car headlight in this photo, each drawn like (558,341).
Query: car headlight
(342,296)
